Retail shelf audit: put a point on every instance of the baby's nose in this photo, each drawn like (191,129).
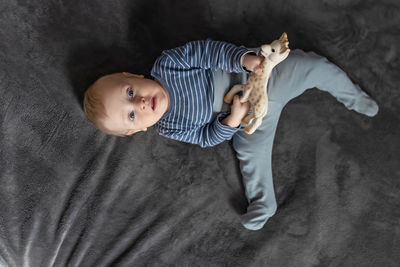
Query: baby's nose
(145,103)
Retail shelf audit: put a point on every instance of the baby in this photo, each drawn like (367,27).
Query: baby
(184,102)
(123,103)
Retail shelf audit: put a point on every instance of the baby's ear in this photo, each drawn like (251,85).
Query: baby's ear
(130,75)
(130,132)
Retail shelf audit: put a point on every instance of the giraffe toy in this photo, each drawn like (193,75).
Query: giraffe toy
(255,90)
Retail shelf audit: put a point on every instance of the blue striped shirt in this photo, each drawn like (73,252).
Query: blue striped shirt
(187,74)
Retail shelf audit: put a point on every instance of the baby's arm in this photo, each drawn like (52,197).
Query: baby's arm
(221,128)
(209,134)
(238,112)
(209,54)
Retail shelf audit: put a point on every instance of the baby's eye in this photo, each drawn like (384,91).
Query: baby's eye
(273,50)
(130,92)
(131,116)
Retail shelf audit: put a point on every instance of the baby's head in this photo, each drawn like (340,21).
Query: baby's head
(123,103)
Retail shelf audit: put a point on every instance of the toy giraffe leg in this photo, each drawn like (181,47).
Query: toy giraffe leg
(248,118)
(235,89)
(252,127)
(246,94)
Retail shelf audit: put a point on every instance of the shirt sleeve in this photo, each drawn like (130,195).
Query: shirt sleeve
(209,134)
(209,54)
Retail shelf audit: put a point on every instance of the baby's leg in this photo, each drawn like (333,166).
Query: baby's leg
(301,71)
(254,153)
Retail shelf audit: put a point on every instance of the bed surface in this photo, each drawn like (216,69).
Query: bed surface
(73,196)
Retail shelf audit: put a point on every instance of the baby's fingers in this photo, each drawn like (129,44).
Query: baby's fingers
(247,105)
(259,71)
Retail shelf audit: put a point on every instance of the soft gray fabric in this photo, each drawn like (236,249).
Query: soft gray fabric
(73,196)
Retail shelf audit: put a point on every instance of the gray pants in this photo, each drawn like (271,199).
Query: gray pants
(297,73)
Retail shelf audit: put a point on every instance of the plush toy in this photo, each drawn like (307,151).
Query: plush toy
(255,90)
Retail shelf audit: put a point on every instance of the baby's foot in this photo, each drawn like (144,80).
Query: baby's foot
(366,105)
(256,216)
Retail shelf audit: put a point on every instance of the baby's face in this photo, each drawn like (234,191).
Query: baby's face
(132,103)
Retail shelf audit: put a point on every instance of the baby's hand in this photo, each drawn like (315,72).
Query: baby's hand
(252,63)
(239,110)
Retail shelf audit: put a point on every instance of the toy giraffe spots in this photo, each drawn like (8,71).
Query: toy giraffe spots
(255,90)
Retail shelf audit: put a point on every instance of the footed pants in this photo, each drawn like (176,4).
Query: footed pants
(297,73)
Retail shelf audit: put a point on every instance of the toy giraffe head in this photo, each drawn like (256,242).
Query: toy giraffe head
(278,50)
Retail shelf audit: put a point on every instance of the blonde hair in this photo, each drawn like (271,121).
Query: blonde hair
(95,110)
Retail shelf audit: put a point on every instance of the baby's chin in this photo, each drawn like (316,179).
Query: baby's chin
(161,103)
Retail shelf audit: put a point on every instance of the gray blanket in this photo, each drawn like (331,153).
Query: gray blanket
(73,196)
